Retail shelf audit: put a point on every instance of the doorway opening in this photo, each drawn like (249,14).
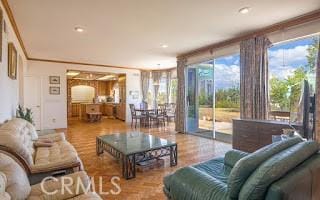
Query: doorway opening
(92,96)
(213,97)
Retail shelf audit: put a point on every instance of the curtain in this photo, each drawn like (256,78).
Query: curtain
(145,76)
(156,76)
(168,85)
(317,114)
(180,104)
(254,78)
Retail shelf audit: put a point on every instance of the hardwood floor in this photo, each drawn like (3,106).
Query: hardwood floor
(146,185)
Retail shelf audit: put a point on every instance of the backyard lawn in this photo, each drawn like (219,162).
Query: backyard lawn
(221,115)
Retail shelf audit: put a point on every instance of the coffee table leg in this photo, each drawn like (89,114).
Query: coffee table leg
(173,155)
(99,149)
(129,166)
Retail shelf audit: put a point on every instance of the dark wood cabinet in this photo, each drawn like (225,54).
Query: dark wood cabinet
(250,135)
(121,107)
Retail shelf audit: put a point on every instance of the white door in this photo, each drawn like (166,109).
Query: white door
(32,96)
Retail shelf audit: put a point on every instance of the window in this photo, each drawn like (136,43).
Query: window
(173,90)
(227,92)
(162,93)
(289,64)
(150,94)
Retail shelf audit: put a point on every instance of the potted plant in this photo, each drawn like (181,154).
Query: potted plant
(25,114)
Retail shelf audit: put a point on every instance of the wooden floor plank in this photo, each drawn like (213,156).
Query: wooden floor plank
(146,185)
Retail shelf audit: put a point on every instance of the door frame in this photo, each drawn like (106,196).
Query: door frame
(197,102)
(40,78)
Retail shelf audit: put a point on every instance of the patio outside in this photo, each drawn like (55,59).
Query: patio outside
(223,119)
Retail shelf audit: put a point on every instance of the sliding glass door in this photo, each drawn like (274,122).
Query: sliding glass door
(199,98)
(227,95)
(213,97)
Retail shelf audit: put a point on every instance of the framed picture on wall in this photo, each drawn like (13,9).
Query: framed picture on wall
(54,79)
(54,90)
(12,61)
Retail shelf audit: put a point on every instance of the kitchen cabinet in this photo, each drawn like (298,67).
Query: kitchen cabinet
(109,87)
(102,88)
(75,109)
(107,109)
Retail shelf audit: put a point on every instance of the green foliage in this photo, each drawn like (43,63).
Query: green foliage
(228,98)
(25,114)
(284,93)
(312,55)
(205,99)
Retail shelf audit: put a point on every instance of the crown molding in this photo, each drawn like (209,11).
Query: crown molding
(81,63)
(8,10)
(14,25)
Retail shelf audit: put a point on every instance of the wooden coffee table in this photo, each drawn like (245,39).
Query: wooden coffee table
(135,147)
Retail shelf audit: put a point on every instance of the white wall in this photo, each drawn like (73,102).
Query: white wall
(9,89)
(54,107)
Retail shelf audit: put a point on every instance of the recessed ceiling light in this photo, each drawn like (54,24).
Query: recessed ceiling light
(79,29)
(244,10)
(164,46)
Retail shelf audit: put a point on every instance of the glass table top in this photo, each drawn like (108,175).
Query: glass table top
(134,142)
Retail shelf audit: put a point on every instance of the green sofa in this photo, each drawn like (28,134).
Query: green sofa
(284,170)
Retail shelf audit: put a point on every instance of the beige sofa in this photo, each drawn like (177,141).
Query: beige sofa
(14,184)
(17,137)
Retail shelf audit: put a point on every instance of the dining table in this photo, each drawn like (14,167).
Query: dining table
(147,112)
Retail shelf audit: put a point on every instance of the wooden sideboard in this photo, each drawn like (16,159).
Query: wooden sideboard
(250,135)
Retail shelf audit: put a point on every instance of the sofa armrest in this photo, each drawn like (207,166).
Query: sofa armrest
(233,156)
(64,187)
(191,183)
(55,137)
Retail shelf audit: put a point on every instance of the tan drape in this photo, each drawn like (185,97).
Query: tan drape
(317,115)
(180,104)
(145,76)
(168,85)
(254,78)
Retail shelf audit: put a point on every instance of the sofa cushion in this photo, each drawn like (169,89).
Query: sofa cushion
(299,183)
(32,131)
(58,155)
(78,183)
(190,183)
(276,167)
(54,137)
(17,183)
(233,156)
(247,165)
(215,168)
(88,196)
(3,182)
(16,135)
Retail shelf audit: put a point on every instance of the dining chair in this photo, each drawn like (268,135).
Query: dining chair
(135,116)
(159,117)
(171,112)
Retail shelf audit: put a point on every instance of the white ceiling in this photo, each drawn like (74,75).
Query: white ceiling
(130,32)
